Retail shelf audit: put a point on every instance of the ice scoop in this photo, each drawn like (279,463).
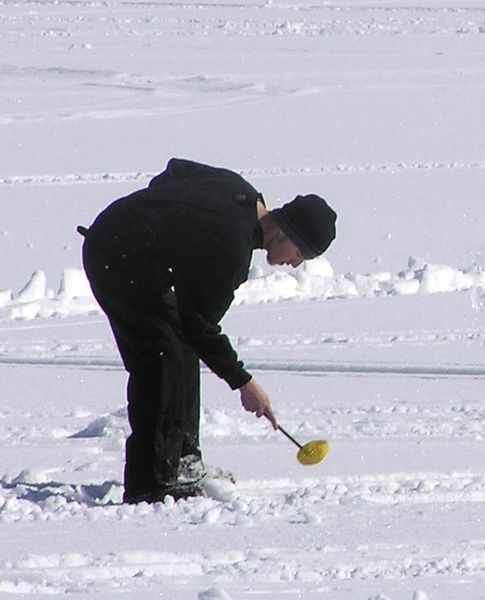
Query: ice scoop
(310,453)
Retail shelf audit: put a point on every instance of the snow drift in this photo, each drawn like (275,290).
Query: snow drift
(315,280)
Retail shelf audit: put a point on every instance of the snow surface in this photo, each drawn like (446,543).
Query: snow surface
(377,347)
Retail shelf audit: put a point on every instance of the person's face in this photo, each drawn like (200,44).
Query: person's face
(283,251)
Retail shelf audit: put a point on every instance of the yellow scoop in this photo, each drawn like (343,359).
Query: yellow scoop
(310,453)
(313,452)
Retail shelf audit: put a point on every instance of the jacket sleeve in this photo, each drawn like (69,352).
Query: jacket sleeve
(203,298)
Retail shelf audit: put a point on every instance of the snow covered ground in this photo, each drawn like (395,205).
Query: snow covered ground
(378,347)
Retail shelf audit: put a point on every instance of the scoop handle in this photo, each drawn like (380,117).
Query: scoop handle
(291,438)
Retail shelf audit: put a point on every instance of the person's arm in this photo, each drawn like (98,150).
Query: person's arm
(204,293)
(215,349)
(205,290)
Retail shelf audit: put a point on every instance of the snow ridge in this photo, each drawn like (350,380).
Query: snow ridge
(315,280)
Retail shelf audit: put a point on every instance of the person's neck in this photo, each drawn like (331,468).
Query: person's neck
(268,226)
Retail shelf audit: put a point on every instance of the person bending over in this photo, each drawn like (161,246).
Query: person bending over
(163,263)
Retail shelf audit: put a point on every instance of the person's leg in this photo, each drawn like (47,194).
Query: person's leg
(191,466)
(157,396)
(139,476)
(191,443)
(163,388)
(189,392)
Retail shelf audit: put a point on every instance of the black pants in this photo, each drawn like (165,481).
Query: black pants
(164,376)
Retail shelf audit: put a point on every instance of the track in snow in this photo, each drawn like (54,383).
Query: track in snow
(144,177)
(77,572)
(366,368)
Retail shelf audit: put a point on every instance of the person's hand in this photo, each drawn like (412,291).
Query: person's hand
(256,400)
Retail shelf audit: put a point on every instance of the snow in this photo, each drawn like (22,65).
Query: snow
(315,280)
(376,347)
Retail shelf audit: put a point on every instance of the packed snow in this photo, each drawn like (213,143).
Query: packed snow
(376,347)
(315,280)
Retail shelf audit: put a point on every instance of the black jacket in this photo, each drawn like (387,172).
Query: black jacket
(203,224)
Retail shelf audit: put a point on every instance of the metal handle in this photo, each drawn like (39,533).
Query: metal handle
(289,436)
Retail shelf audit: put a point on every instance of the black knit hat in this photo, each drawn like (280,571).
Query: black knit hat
(309,222)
